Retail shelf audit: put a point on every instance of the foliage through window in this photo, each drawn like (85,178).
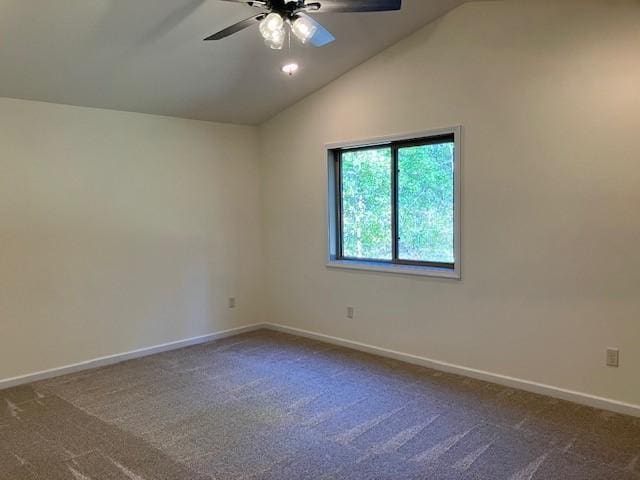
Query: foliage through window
(395,203)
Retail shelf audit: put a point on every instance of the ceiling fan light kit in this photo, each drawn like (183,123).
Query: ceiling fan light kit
(273,29)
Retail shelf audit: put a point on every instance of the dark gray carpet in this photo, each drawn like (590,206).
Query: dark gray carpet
(269,406)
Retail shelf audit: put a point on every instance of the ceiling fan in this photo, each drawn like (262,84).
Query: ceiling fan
(278,15)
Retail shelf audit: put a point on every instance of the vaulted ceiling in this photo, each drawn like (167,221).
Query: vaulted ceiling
(148,55)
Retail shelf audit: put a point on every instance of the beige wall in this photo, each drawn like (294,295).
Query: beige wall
(120,231)
(548,94)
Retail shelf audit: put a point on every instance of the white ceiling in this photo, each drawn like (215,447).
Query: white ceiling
(148,55)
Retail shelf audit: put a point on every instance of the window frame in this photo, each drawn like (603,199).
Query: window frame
(334,153)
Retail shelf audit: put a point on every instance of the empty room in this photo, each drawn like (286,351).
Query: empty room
(319,240)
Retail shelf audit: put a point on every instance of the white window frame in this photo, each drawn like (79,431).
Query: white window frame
(334,263)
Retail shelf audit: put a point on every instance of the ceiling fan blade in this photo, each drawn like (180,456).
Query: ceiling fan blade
(322,36)
(251,3)
(340,6)
(236,27)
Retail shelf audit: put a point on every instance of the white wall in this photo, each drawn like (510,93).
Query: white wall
(120,231)
(548,95)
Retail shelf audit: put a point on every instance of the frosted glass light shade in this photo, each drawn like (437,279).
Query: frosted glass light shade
(304,29)
(272,30)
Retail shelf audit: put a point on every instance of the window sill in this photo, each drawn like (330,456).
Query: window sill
(395,269)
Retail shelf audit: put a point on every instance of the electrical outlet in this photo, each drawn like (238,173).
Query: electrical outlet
(613,357)
(350,312)
(232,302)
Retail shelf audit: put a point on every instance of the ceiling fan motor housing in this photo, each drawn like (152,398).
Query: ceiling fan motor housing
(288,8)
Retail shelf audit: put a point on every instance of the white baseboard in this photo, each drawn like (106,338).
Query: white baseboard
(539,388)
(548,390)
(121,357)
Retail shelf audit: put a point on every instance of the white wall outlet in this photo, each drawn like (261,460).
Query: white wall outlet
(232,302)
(350,312)
(613,357)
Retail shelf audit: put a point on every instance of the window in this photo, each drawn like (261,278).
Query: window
(394,205)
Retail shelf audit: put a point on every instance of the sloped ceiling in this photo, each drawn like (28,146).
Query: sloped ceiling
(148,55)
